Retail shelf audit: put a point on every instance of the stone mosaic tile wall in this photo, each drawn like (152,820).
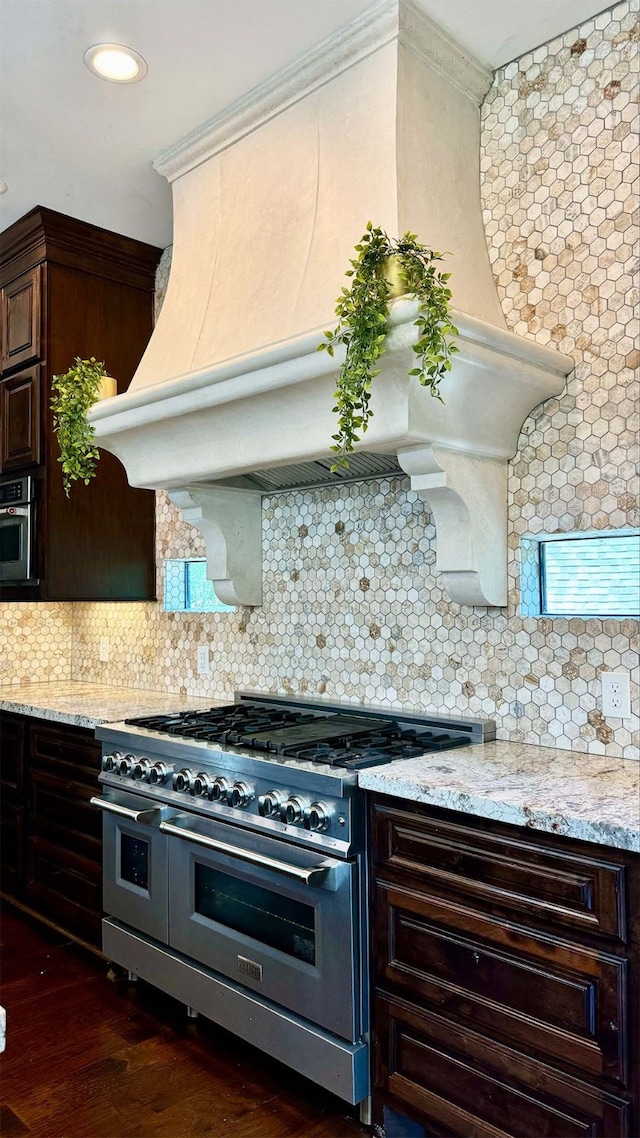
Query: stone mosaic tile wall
(352,608)
(36,643)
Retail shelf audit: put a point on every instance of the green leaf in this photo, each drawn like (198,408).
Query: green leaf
(362,311)
(74,393)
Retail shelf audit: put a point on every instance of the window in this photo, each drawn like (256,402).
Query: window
(581,574)
(188,589)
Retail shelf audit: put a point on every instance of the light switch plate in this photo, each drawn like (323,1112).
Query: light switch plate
(616,695)
(203,659)
(103,649)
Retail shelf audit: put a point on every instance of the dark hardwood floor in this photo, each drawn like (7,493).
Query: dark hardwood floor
(89,1057)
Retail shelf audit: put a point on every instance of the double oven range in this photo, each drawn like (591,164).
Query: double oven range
(235,867)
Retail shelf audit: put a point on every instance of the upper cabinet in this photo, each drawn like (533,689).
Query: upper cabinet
(21,311)
(71,289)
(20,445)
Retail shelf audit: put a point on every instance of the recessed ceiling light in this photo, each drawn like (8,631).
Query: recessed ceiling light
(116,63)
(3,186)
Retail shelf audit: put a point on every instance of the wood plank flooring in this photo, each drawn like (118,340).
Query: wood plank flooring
(88,1057)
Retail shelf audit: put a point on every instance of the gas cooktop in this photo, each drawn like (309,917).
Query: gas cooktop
(342,739)
(276,764)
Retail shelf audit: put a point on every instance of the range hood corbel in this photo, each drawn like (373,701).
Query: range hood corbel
(380,122)
(230,520)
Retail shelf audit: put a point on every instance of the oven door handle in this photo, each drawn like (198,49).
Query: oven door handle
(321,874)
(142,817)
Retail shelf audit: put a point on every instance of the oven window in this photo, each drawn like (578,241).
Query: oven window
(10,543)
(257,912)
(134,860)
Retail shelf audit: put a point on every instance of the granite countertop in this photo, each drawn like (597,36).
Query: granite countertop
(592,798)
(582,796)
(87,705)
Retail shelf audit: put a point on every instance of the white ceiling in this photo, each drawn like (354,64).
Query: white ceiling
(81,145)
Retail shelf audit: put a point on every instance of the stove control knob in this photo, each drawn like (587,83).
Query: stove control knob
(317,817)
(202,785)
(240,795)
(292,811)
(141,769)
(110,762)
(125,763)
(269,804)
(183,780)
(158,774)
(220,789)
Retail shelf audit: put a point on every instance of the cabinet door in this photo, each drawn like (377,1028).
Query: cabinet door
(21,320)
(20,442)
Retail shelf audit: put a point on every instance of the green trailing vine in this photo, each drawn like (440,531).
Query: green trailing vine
(363,314)
(74,393)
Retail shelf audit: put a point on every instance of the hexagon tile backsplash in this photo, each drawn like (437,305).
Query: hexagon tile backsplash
(352,609)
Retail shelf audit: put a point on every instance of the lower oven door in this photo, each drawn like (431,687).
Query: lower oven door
(277,919)
(134,863)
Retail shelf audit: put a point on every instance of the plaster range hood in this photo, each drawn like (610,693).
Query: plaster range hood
(232,400)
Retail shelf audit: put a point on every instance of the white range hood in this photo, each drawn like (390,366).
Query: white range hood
(231,398)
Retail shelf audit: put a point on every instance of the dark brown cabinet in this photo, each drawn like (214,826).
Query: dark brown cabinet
(20,445)
(70,289)
(21,319)
(506,977)
(12,801)
(52,844)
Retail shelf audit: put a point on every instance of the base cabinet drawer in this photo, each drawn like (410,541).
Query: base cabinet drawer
(69,752)
(562,1001)
(12,759)
(65,887)
(458,1082)
(569,892)
(59,810)
(12,847)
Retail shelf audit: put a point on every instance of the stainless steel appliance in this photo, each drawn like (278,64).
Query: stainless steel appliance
(17,530)
(235,869)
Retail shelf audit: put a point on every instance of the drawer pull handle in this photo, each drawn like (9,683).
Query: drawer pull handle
(476,957)
(613,1025)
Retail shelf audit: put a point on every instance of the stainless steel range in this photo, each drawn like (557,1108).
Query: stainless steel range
(235,870)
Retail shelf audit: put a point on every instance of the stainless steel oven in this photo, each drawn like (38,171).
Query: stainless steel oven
(280,920)
(17,531)
(234,872)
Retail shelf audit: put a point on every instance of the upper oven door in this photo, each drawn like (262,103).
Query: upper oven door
(134,863)
(280,920)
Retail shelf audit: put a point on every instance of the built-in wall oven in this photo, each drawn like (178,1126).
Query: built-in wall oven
(17,531)
(235,868)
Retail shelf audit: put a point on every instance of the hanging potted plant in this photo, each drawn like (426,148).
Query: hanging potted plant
(74,393)
(383,268)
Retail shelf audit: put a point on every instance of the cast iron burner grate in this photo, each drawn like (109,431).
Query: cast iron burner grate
(339,740)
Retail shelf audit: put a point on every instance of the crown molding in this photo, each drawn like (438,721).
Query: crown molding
(403,21)
(376,27)
(427,40)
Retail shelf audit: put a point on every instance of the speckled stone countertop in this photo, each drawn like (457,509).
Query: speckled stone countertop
(582,796)
(87,705)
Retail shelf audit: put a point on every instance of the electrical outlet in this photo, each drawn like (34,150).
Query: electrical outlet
(103,650)
(203,659)
(616,695)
